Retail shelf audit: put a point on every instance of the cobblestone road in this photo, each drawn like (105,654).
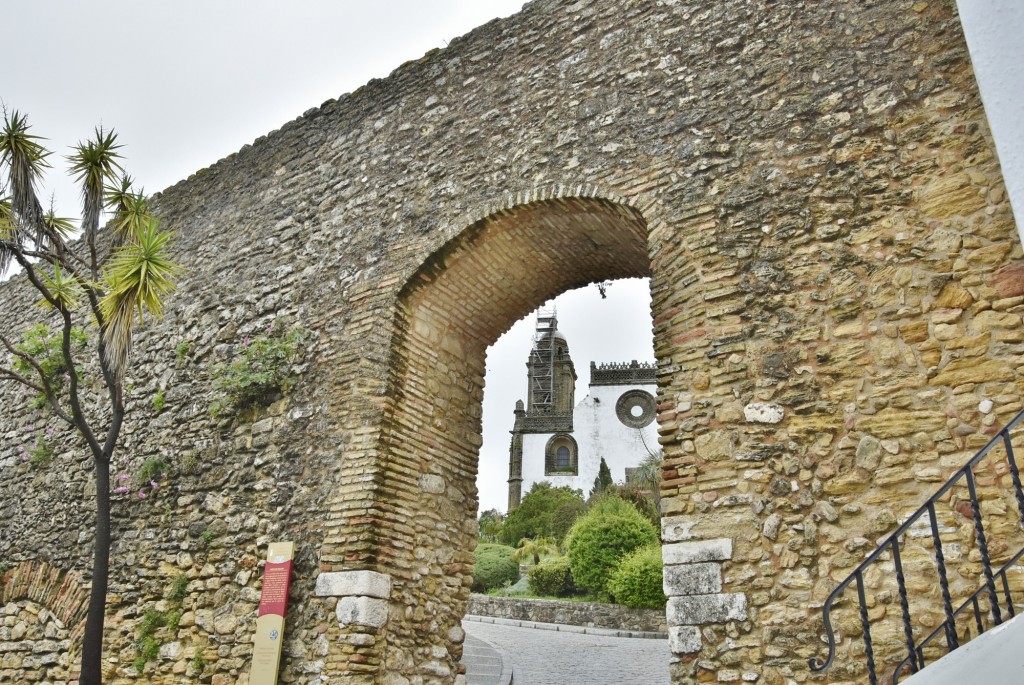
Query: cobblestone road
(546,657)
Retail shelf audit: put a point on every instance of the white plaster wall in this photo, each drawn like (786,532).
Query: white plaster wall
(995,38)
(598,433)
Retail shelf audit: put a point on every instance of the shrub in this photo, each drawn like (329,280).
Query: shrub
(259,371)
(636,581)
(151,470)
(494,567)
(563,518)
(532,518)
(597,542)
(640,499)
(552,578)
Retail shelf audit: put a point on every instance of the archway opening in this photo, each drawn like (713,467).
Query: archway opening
(459,303)
(607,325)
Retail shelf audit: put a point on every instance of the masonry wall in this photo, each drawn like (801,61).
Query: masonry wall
(587,614)
(811,188)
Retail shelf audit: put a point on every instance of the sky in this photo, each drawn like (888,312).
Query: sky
(186,83)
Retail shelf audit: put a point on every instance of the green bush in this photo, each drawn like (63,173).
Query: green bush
(636,581)
(532,518)
(601,538)
(259,371)
(494,567)
(563,518)
(552,578)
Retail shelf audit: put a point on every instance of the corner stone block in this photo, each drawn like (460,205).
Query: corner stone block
(362,611)
(684,639)
(353,584)
(696,610)
(697,551)
(693,579)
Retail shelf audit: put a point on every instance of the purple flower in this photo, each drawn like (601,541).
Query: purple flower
(123,476)
(120,490)
(49,431)
(153,484)
(245,342)
(142,495)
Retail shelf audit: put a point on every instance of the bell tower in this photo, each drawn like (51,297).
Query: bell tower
(551,375)
(550,400)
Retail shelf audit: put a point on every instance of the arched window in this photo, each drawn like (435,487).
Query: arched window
(560,457)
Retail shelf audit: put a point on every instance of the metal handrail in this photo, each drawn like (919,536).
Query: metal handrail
(915,656)
(972,602)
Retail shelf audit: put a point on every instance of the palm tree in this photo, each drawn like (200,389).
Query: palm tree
(105,288)
(534,547)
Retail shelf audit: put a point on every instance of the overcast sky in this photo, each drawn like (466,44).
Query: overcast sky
(186,83)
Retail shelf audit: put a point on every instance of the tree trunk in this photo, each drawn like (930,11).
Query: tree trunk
(92,640)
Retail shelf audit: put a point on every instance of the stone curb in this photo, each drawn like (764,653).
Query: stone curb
(506,662)
(562,628)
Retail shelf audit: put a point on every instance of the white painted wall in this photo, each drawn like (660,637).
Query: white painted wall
(995,38)
(598,433)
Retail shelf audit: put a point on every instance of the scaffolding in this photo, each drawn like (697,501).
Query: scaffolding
(542,364)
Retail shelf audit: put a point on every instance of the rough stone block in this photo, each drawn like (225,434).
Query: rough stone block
(684,639)
(696,610)
(353,584)
(693,579)
(432,483)
(362,611)
(763,412)
(696,551)
(677,528)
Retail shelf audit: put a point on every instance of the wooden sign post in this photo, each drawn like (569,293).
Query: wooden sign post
(277,577)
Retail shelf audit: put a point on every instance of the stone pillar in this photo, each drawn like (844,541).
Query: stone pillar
(515,460)
(362,613)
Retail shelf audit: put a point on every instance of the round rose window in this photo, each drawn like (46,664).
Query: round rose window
(636,408)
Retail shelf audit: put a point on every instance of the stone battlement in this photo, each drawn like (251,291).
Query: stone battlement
(623,373)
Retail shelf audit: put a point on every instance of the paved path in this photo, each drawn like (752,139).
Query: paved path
(547,657)
(484,664)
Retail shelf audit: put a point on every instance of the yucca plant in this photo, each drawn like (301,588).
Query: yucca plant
(100,283)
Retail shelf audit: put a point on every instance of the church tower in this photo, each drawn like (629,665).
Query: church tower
(551,393)
(554,439)
(552,376)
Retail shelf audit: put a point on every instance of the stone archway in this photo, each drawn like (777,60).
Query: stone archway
(457,304)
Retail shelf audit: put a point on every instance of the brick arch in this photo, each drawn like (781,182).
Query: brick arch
(407,513)
(62,592)
(420,529)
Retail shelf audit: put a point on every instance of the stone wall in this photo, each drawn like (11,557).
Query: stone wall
(611,616)
(836,301)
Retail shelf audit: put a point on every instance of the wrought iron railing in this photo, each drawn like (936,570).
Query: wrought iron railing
(890,549)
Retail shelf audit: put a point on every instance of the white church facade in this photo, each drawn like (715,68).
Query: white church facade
(557,440)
